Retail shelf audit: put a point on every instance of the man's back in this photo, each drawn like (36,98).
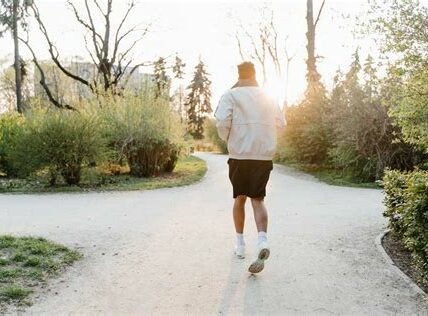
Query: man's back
(247,119)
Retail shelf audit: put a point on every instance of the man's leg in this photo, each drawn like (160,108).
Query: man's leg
(260,214)
(239,213)
(261,217)
(239,220)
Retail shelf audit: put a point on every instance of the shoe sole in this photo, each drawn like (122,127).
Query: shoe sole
(258,265)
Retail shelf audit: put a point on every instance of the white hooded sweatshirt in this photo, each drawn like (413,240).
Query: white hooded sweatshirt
(247,119)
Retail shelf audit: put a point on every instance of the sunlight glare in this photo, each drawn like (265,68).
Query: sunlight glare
(275,88)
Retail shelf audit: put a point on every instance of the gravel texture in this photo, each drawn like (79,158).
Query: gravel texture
(170,251)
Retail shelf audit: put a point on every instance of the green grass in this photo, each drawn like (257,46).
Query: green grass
(187,171)
(331,176)
(27,262)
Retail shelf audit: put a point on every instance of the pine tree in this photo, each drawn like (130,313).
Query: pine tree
(198,101)
(177,68)
(161,79)
(371,79)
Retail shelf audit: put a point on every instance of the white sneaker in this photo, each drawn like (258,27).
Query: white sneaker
(263,254)
(240,251)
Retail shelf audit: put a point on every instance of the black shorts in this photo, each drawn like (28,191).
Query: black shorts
(249,177)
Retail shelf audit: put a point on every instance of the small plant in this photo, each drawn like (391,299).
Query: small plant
(14,293)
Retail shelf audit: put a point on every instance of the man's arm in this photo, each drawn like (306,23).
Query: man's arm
(223,115)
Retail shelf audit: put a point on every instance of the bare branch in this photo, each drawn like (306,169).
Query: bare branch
(94,39)
(89,51)
(106,41)
(54,52)
(43,80)
(319,14)
(241,53)
(99,7)
(123,55)
(81,21)
(116,37)
(117,42)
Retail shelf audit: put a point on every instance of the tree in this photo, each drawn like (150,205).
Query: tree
(8,86)
(178,97)
(307,134)
(402,34)
(312,75)
(160,77)
(12,14)
(113,62)
(364,138)
(265,48)
(178,67)
(198,101)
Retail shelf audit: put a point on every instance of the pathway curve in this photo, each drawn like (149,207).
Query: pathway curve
(169,251)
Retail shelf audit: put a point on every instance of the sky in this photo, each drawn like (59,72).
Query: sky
(206,29)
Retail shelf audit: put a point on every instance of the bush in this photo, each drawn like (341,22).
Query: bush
(306,135)
(144,130)
(10,126)
(210,131)
(62,141)
(365,138)
(406,203)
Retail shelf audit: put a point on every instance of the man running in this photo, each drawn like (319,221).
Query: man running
(247,120)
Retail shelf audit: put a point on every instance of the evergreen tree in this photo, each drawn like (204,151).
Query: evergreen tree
(198,101)
(161,79)
(371,78)
(177,68)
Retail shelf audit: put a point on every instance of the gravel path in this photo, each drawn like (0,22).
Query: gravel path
(169,251)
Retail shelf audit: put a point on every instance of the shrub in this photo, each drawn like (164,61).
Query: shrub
(365,139)
(210,131)
(406,200)
(306,135)
(62,141)
(144,130)
(10,127)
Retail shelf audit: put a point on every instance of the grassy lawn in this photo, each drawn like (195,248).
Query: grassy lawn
(187,171)
(331,176)
(26,263)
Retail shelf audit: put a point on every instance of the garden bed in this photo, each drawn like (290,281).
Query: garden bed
(330,176)
(402,258)
(187,171)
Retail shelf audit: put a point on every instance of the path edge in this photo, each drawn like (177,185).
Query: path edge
(394,267)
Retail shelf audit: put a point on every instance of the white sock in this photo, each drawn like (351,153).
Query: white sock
(240,239)
(262,237)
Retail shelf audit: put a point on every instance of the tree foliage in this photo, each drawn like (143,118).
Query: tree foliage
(198,101)
(6,14)
(364,137)
(160,77)
(402,32)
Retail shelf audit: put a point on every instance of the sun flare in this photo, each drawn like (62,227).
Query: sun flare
(275,88)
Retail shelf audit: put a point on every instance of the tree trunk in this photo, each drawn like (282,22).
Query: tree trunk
(17,64)
(312,75)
